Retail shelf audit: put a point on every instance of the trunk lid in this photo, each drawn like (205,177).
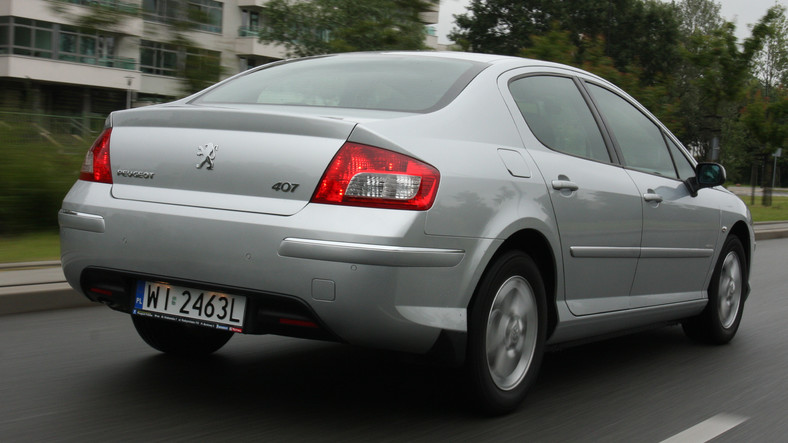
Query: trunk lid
(222,158)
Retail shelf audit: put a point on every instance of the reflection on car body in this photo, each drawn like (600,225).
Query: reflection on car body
(471,206)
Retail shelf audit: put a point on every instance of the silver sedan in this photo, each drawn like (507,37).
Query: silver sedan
(473,207)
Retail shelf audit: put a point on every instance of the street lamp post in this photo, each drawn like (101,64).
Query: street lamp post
(129,78)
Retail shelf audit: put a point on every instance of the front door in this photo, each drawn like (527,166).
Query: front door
(679,230)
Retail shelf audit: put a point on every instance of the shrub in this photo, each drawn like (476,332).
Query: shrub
(36,171)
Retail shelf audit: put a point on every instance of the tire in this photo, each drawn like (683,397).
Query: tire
(720,320)
(179,338)
(506,334)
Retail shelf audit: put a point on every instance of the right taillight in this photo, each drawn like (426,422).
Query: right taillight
(362,175)
(96,167)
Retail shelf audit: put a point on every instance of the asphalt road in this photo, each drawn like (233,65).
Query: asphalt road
(83,375)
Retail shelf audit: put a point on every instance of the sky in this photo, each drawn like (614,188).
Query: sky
(741,12)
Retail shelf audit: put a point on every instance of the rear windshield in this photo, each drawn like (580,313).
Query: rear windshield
(381,82)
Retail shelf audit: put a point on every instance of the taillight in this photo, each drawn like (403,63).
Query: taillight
(361,175)
(96,166)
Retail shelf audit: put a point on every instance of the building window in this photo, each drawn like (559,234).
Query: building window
(204,15)
(5,37)
(250,23)
(93,49)
(35,38)
(158,58)
(203,60)
(162,11)
(27,37)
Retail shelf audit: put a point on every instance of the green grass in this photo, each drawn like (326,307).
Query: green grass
(30,247)
(778,211)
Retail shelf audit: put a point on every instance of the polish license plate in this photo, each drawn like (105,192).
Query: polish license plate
(188,305)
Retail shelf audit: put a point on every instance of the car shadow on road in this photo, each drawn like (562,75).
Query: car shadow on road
(306,386)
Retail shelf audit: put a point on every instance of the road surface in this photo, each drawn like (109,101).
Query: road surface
(84,375)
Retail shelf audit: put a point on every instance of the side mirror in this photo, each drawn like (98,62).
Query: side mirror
(707,175)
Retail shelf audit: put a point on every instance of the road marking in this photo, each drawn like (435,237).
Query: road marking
(707,430)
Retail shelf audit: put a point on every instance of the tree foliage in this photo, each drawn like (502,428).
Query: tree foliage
(502,26)
(767,120)
(698,16)
(331,26)
(771,63)
(589,54)
(633,31)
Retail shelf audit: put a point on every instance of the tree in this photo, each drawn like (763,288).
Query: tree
(714,73)
(502,26)
(771,63)
(635,32)
(557,46)
(330,26)
(768,120)
(698,17)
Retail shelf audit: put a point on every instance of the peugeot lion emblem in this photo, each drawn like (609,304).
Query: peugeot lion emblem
(208,154)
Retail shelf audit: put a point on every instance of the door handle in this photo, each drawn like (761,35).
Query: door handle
(564,185)
(652,197)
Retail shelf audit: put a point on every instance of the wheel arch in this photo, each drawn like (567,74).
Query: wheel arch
(743,233)
(740,230)
(536,245)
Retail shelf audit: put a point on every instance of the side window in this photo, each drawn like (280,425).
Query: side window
(685,168)
(558,116)
(639,139)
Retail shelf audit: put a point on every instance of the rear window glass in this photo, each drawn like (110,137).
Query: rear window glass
(383,82)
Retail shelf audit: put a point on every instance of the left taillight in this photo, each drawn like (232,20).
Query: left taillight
(362,175)
(96,167)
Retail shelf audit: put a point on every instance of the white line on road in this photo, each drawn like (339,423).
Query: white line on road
(706,430)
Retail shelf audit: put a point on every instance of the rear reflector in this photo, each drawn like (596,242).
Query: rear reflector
(101,291)
(294,322)
(361,175)
(96,167)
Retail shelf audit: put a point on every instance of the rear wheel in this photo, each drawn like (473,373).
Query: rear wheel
(179,338)
(718,323)
(506,333)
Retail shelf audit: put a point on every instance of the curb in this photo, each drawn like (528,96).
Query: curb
(36,286)
(30,265)
(770,230)
(34,296)
(44,297)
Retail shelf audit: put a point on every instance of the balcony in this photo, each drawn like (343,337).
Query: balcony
(87,71)
(248,31)
(113,5)
(251,3)
(113,62)
(247,44)
(250,46)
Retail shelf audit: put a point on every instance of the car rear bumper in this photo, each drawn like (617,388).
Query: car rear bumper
(365,276)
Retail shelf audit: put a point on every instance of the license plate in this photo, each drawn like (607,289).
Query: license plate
(196,306)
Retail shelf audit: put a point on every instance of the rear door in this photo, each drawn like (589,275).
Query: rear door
(597,206)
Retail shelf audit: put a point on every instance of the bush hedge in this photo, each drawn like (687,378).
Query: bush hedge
(37,169)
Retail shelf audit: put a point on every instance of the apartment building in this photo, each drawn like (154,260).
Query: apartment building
(49,65)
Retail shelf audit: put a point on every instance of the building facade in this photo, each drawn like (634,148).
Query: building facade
(134,52)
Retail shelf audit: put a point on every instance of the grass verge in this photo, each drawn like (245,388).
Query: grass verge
(778,211)
(30,247)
